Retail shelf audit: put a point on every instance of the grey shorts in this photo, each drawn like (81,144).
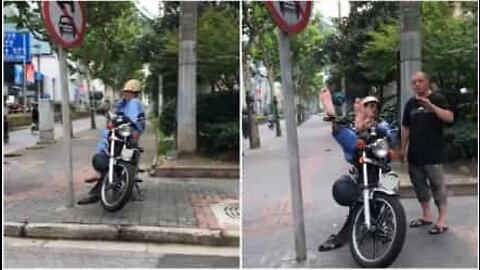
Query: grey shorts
(428,177)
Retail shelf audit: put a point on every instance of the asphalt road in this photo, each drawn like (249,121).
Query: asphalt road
(35,253)
(267,222)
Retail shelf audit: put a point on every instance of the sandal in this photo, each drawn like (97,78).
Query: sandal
(419,223)
(437,229)
(330,243)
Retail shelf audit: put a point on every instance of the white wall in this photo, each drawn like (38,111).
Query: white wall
(49,67)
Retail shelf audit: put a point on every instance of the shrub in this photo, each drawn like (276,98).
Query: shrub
(461,141)
(217,120)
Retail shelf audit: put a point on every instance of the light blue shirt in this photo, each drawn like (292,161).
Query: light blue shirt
(132,109)
(347,138)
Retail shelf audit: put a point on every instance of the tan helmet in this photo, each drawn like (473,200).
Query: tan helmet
(132,86)
(370,99)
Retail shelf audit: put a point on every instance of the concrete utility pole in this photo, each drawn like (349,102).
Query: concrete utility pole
(253,135)
(410,47)
(187,80)
(93,124)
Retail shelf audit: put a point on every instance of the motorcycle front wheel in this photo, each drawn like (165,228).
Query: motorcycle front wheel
(379,246)
(114,196)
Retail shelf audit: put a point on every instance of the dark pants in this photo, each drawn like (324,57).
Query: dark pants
(100,163)
(342,236)
(6,128)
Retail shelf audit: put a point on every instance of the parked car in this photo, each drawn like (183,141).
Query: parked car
(103,107)
(17,108)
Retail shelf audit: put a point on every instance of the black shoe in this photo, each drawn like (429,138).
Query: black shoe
(333,242)
(88,200)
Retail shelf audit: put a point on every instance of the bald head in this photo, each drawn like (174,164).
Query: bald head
(421,83)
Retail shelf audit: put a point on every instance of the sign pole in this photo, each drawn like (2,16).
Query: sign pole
(292,146)
(67,141)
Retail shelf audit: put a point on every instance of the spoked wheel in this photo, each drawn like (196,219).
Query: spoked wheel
(379,246)
(115,195)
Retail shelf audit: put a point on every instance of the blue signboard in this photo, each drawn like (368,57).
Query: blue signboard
(16,47)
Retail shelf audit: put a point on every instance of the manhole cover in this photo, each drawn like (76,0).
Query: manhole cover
(227,213)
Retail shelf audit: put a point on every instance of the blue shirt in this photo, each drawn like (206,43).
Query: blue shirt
(347,138)
(132,109)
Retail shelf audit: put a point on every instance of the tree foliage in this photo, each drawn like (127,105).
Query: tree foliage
(217,47)
(343,49)
(448,49)
(307,56)
(112,29)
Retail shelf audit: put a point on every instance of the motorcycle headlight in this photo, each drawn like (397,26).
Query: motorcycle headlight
(125,131)
(381,148)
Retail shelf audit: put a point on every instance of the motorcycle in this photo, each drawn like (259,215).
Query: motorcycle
(124,155)
(378,224)
(270,125)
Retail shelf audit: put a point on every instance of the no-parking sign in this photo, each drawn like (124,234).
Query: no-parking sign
(65,21)
(290,16)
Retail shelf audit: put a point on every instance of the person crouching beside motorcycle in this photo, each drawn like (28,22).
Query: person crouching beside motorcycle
(366,116)
(132,108)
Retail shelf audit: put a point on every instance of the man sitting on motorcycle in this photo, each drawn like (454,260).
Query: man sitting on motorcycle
(366,116)
(132,108)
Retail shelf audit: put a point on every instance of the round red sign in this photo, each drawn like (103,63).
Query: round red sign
(290,16)
(65,21)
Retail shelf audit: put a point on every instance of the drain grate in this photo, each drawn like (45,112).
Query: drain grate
(227,213)
(232,210)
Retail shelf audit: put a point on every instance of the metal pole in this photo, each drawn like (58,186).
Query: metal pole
(67,142)
(39,89)
(342,83)
(160,94)
(25,70)
(292,147)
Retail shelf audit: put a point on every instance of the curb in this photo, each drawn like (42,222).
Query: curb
(453,189)
(196,172)
(121,232)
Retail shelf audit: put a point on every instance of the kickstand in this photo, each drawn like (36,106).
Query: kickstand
(138,196)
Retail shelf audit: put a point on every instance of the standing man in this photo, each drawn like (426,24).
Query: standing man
(422,129)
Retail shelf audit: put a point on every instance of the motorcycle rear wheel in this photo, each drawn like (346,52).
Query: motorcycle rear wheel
(388,226)
(114,196)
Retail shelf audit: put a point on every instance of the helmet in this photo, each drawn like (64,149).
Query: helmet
(132,86)
(345,191)
(338,98)
(370,99)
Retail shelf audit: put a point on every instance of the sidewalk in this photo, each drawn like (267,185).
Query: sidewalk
(457,184)
(180,210)
(23,138)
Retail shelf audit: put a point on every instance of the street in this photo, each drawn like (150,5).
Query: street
(267,221)
(33,253)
